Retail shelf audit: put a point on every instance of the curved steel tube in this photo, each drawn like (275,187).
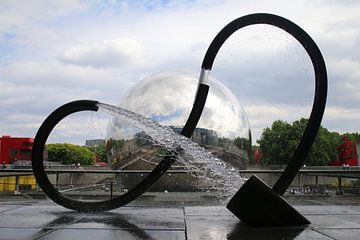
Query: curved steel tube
(88,105)
(37,162)
(38,167)
(317,60)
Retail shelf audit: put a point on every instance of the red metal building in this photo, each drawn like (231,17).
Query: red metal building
(15,149)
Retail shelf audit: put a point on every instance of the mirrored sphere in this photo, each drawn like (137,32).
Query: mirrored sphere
(167,98)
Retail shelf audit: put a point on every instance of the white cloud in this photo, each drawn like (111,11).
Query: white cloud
(105,47)
(263,115)
(342,119)
(79,127)
(16,13)
(105,54)
(338,113)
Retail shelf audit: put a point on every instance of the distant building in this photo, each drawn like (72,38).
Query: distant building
(94,142)
(15,149)
(143,153)
(234,151)
(202,136)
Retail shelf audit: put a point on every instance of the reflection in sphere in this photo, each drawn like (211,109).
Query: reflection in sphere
(167,98)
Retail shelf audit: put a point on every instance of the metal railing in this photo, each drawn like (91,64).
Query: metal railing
(248,171)
(332,172)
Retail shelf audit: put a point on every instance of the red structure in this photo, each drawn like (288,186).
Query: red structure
(257,155)
(347,153)
(15,149)
(98,162)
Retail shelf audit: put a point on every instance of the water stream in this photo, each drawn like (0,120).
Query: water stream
(219,175)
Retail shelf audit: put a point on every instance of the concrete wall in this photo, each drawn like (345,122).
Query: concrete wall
(303,179)
(78,179)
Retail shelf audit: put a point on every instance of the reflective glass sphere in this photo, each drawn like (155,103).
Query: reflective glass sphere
(167,98)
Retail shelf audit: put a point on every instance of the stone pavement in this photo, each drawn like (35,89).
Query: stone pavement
(45,220)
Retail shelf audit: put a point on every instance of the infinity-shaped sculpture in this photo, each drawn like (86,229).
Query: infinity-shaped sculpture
(255,203)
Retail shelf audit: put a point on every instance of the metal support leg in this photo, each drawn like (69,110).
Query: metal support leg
(111,190)
(340,189)
(17,184)
(57,180)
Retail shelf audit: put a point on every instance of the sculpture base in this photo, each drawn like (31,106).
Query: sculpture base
(256,204)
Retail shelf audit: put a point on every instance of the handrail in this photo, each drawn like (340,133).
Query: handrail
(178,171)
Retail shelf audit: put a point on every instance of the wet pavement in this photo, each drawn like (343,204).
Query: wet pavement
(46,220)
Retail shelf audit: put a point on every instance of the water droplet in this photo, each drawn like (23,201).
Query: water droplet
(216,173)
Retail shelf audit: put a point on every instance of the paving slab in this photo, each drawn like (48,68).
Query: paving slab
(146,210)
(206,211)
(34,216)
(209,227)
(22,233)
(105,234)
(274,234)
(334,221)
(328,210)
(46,220)
(6,208)
(343,234)
(126,221)
(227,227)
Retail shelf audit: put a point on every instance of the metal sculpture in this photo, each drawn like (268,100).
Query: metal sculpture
(94,206)
(255,203)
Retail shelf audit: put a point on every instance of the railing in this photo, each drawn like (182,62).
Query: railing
(251,171)
(332,172)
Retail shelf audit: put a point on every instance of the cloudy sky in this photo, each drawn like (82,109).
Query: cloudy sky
(52,52)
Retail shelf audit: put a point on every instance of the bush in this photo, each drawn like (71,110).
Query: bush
(278,144)
(69,153)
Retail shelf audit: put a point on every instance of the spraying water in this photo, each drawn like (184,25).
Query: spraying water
(218,174)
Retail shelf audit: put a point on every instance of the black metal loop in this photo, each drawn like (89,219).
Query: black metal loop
(88,105)
(317,60)
(38,166)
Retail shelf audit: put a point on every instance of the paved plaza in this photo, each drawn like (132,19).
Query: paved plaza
(45,220)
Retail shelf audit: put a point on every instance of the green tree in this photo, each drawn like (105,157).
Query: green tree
(69,153)
(355,137)
(100,151)
(242,143)
(279,142)
(115,144)
(275,143)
